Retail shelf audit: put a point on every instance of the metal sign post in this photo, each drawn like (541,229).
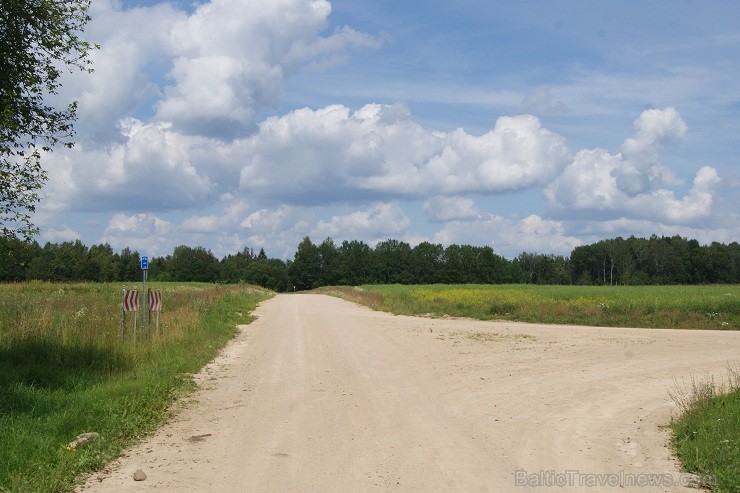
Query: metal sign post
(145,311)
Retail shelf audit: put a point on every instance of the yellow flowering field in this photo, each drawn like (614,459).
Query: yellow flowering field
(698,307)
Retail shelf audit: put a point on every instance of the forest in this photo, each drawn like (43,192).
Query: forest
(618,261)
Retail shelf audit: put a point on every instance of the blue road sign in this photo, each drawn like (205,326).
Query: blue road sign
(144,263)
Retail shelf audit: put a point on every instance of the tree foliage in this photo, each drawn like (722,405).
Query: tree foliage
(656,260)
(39,39)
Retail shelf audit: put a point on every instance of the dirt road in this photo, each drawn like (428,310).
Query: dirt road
(323,395)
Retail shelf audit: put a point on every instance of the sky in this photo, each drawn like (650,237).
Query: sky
(532,126)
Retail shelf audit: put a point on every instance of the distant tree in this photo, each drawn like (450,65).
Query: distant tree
(159,269)
(130,266)
(60,262)
(235,268)
(427,263)
(262,255)
(454,271)
(492,268)
(269,273)
(38,39)
(722,264)
(16,256)
(355,263)
(473,268)
(329,263)
(102,264)
(393,262)
(193,264)
(543,269)
(616,261)
(305,270)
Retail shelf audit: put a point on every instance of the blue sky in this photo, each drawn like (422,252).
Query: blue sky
(527,126)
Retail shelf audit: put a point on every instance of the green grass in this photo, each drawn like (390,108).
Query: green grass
(683,307)
(65,371)
(707,435)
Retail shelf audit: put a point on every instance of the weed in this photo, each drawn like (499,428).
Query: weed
(690,307)
(495,336)
(64,370)
(706,436)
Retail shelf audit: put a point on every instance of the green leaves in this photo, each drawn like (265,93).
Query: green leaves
(38,40)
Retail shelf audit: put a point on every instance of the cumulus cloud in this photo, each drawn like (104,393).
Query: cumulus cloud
(198,84)
(509,237)
(632,182)
(59,233)
(230,62)
(152,171)
(640,167)
(378,155)
(128,66)
(138,225)
(281,228)
(306,158)
(379,221)
(230,215)
(380,150)
(208,72)
(146,233)
(443,209)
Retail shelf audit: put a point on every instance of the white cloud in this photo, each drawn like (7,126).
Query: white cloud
(510,237)
(234,226)
(170,119)
(655,129)
(209,72)
(640,168)
(230,62)
(332,154)
(517,154)
(629,183)
(152,170)
(306,158)
(663,205)
(380,221)
(592,231)
(231,214)
(138,225)
(59,233)
(443,209)
(127,66)
(146,233)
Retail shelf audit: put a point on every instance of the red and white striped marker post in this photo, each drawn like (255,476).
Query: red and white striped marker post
(130,303)
(155,304)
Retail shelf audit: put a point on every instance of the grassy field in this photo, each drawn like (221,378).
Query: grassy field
(64,371)
(680,307)
(706,436)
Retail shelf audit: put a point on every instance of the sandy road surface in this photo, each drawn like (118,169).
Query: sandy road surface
(323,395)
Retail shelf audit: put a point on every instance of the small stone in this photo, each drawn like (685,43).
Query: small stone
(139,475)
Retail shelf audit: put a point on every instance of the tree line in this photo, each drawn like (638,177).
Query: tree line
(618,261)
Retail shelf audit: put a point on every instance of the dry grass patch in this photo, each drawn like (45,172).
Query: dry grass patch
(497,337)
